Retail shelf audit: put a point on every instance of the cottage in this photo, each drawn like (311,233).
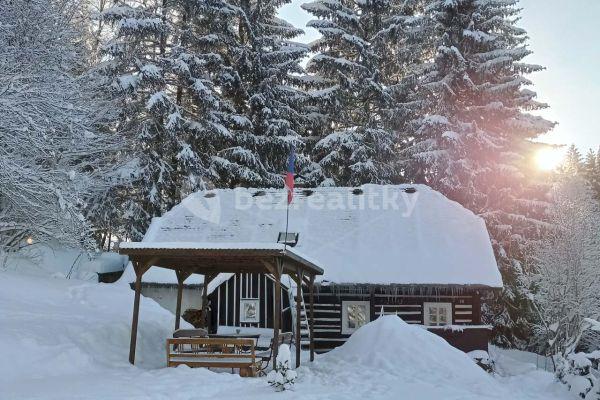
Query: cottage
(404,250)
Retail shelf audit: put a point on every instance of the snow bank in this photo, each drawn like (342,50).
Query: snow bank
(53,327)
(67,339)
(390,344)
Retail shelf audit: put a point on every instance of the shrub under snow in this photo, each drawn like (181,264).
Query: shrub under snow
(575,372)
(284,377)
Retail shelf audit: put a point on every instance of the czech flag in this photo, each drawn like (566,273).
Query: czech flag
(289,176)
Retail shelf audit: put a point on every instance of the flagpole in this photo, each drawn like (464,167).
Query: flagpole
(287,222)
(289,185)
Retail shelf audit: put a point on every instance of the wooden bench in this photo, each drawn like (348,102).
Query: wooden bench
(213,353)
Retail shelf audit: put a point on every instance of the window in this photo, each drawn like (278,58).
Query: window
(437,314)
(354,315)
(249,310)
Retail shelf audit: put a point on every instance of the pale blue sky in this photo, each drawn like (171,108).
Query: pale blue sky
(565,38)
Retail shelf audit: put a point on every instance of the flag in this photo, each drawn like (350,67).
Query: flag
(289,176)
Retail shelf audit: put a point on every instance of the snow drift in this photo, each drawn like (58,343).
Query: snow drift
(56,326)
(389,351)
(390,344)
(69,339)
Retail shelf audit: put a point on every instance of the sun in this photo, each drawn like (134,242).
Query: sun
(549,158)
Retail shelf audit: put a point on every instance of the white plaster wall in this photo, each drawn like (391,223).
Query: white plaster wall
(167,297)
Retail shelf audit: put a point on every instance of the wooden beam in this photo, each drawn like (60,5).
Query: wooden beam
(298,314)
(476,309)
(311,323)
(134,322)
(181,277)
(306,280)
(277,314)
(271,267)
(139,269)
(206,316)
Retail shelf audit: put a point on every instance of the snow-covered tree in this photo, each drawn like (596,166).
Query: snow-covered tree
(169,112)
(472,136)
(349,98)
(405,45)
(591,171)
(264,105)
(209,93)
(52,152)
(566,279)
(572,163)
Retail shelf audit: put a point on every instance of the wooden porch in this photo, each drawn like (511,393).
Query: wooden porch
(210,259)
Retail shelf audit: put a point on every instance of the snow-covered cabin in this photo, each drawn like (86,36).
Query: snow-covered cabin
(405,250)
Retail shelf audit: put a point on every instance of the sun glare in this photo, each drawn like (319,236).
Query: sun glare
(549,158)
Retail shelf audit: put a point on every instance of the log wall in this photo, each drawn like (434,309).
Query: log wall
(408,305)
(225,301)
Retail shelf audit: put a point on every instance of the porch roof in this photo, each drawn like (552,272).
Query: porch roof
(214,258)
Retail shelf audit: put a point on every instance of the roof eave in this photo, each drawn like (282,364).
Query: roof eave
(474,286)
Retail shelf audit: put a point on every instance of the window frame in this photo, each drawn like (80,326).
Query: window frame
(345,328)
(427,317)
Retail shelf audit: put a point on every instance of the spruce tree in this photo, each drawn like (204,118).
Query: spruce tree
(262,97)
(349,99)
(209,95)
(591,171)
(473,134)
(170,114)
(573,162)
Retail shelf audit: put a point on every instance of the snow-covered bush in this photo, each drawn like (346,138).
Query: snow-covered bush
(283,377)
(575,372)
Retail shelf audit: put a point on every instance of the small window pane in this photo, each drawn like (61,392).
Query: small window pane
(354,315)
(443,318)
(437,314)
(357,316)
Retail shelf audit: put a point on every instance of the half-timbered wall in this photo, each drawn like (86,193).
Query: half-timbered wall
(225,301)
(408,305)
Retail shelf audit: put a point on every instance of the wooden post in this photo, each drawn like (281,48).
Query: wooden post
(372,310)
(181,276)
(476,316)
(311,322)
(139,271)
(298,314)
(205,314)
(277,315)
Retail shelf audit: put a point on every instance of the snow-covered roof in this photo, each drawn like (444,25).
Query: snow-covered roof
(375,234)
(241,248)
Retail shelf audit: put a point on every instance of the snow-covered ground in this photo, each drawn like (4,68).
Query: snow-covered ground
(69,339)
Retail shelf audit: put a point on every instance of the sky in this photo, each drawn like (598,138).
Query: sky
(565,38)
